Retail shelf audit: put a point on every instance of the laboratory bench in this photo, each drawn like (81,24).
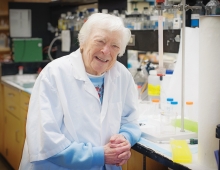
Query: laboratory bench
(15,93)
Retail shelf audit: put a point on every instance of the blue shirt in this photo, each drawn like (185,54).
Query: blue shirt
(98,82)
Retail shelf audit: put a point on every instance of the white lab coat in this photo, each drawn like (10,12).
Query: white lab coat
(65,107)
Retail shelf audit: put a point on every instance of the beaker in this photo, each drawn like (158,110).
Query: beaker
(155,107)
(189,110)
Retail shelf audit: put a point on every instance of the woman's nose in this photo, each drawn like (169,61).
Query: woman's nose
(106,50)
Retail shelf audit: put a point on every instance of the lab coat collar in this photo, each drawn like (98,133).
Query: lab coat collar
(79,71)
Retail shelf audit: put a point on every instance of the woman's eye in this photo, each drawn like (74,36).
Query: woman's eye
(100,41)
(115,46)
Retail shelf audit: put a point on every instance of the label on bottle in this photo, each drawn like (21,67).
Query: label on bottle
(194,16)
(153,90)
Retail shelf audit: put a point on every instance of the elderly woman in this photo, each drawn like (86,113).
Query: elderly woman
(83,107)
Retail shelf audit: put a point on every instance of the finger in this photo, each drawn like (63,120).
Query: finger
(122,149)
(113,138)
(122,162)
(115,145)
(125,155)
(118,138)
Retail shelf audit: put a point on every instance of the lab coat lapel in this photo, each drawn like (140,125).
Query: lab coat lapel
(79,73)
(109,87)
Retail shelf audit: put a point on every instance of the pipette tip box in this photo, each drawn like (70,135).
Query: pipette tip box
(180,151)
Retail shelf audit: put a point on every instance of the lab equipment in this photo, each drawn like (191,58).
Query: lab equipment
(27,49)
(180,151)
(196,13)
(140,77)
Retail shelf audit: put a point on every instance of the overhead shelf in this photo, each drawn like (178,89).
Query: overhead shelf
(3,13)
(4,49)
(4,28)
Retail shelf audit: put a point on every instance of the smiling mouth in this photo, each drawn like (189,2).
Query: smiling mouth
(101,59)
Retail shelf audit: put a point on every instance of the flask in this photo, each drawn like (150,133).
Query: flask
(139,77)
(212,7)
(153,85)
(196,13)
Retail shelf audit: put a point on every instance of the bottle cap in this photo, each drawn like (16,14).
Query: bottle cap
(155,100)
(169,71)
(189,103)
(20,67)
(174,103)
(169,99)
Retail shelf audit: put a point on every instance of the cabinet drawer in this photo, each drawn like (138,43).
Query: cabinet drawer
(11,94)
(25,97)
(13,108)
(12,100)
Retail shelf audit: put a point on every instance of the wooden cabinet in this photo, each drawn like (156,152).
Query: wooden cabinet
(1,119)
(14,120)
(5,51)
(138,161)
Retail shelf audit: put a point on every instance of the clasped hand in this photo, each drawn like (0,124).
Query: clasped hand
(117,151)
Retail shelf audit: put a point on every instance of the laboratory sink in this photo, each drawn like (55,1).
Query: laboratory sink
(24,80)
(25,84)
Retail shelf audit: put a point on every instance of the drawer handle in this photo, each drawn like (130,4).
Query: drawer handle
(11,94)
(16,136)
(11,108)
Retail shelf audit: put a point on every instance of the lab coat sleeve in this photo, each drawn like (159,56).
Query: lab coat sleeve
(79,156)
(129,125)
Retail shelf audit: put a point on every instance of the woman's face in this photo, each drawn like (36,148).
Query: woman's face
(100,51)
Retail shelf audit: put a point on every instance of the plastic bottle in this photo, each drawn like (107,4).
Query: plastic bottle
(116,13)
(153,85)
(62,22)
(196,13)
(20,70)
(105,11)
(174,111)
(69,22)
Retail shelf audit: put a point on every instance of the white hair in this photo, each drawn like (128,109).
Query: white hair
(107,22)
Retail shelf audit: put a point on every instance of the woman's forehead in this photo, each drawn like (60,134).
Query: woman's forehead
(103,33)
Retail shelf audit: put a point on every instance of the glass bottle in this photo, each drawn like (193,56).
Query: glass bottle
(145,19)
(196,13)
(212,7)
(136,19)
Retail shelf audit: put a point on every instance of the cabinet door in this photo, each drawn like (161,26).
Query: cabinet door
(136,161)
(1,119)
(152,164)
(13,140)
